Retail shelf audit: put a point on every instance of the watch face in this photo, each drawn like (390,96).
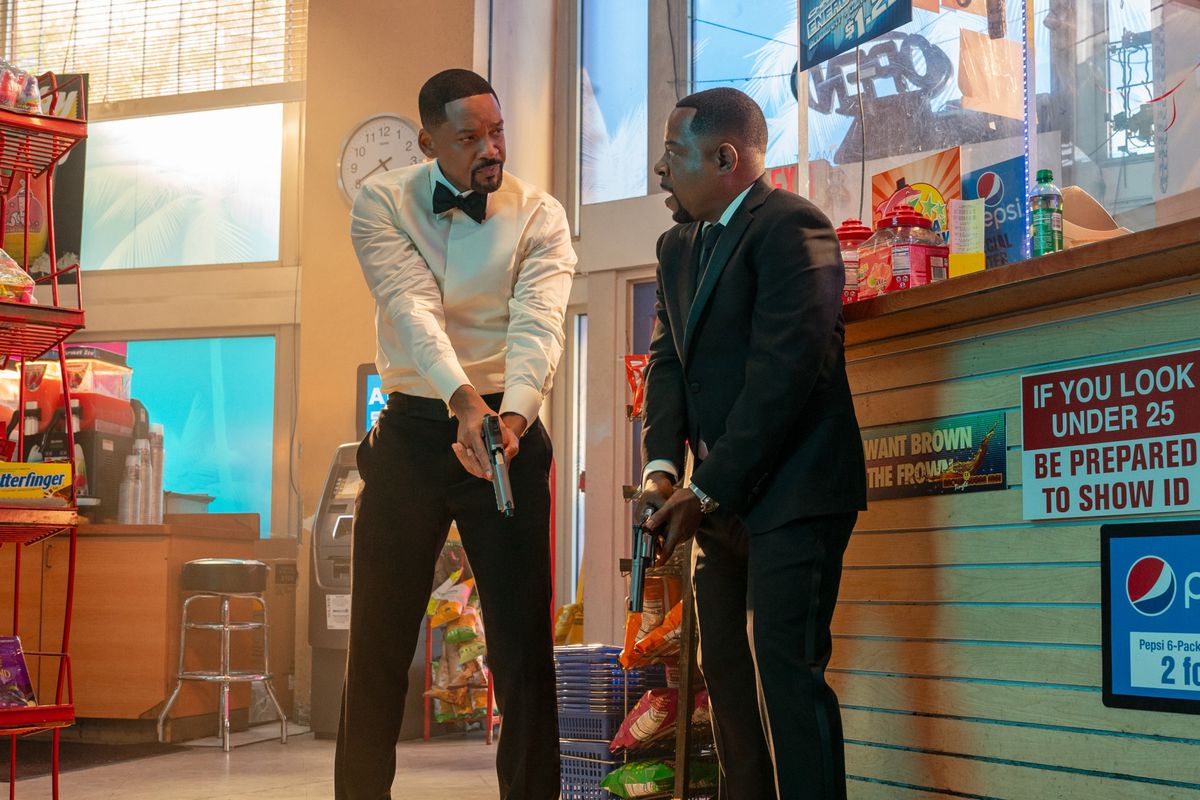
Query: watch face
(379,144)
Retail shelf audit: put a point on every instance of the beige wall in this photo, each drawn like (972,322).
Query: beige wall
(364,57)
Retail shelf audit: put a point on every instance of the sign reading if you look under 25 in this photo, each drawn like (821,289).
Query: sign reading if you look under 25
(1114,438)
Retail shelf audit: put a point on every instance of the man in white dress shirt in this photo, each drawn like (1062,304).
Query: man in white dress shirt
(470,270)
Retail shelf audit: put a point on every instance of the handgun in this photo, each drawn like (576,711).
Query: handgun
(493,440)
(642,555)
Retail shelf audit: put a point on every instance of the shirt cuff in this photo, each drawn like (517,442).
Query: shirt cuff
(660,465)
(523,400)
(445,377)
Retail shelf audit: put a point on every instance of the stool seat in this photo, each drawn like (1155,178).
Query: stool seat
(224,576)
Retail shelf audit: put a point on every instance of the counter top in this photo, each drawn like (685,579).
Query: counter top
(205,526)
(1160,255)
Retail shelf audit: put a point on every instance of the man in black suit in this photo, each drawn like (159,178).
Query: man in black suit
(747,369)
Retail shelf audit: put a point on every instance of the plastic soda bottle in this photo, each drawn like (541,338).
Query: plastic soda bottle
(1046,215)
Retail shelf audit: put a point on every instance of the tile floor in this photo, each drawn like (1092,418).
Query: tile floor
(450,768)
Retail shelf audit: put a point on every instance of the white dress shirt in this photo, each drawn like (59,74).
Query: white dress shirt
(662,464)
(458,302)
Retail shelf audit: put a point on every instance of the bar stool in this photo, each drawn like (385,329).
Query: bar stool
(225,579)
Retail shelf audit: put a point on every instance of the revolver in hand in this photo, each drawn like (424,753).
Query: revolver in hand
(493,440)
(643,553)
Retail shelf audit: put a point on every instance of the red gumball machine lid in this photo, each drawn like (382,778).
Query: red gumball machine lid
(905,218)
(853,232)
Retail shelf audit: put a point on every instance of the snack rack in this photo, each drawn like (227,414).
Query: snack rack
(686,664)
(30,147)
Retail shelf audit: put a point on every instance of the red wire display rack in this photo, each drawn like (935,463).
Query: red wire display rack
(30,147)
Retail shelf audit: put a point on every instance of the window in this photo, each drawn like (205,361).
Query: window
(1115,104)
(922,93)
(216,400)
(578,448)
(613,96)
(184,189)
(134,49)
(752,47)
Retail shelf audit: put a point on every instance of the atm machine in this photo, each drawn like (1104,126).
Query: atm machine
(329,603)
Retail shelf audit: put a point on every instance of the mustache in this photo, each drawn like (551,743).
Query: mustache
(494,162)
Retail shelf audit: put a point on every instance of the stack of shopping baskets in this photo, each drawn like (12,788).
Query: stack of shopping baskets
(594,695)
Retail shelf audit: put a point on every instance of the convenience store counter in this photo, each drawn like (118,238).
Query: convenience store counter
(967,651)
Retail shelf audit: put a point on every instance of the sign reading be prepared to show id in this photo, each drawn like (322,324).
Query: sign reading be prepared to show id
(1112,439)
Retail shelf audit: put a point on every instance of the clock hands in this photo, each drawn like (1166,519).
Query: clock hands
(382,165)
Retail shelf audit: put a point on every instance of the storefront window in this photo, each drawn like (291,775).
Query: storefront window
(613,98)
(183,189)
(752,47)
(1116,104)
(216,401)
(943,84)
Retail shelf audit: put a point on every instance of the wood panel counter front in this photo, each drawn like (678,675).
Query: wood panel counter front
(967,651)
(125,628)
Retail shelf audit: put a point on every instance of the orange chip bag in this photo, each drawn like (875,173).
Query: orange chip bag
(663,640)
(628,658)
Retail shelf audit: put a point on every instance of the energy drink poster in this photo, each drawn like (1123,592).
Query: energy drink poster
(1002,188)
(1150,599)
(950,455)
(831,27)
(926,185)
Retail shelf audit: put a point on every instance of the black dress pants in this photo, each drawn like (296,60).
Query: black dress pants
(413,487)
(764,603)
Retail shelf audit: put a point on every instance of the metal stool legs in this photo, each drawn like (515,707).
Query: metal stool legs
(225,676)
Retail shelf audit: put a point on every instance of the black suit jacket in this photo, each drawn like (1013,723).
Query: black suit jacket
(754,365)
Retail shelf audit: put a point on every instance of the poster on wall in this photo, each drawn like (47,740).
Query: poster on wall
(1150,600)
(1112,439)
(939,456)
(831,27)
(926,185)
(1002,188)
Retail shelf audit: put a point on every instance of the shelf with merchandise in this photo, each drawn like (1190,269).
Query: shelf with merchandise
(30,144)
(24,720)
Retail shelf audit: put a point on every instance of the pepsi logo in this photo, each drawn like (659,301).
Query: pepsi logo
(990,187)
(1150,586)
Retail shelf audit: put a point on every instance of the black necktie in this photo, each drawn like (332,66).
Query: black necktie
(474,205)
(711,235)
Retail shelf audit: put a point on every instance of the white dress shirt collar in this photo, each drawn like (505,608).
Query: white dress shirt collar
(436,175)
(732,208)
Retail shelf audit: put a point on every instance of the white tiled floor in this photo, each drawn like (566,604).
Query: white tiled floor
(444,769)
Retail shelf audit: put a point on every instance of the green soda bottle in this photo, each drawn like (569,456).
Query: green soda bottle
(1046,215)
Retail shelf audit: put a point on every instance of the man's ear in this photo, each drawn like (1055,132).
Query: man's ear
(727,158)
(425,142)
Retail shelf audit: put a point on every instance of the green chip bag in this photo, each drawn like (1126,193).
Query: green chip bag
(649,778)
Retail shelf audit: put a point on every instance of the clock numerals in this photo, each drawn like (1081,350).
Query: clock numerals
(381,143)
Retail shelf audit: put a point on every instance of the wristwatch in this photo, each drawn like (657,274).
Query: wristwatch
(707,504)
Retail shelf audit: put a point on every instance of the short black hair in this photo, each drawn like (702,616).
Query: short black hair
(446,87)
(730,114)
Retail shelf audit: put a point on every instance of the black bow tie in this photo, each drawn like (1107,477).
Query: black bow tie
(474,205)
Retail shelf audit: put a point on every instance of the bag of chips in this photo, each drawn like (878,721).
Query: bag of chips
(464,628)
(652,717)
(649,778)
(663,640)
